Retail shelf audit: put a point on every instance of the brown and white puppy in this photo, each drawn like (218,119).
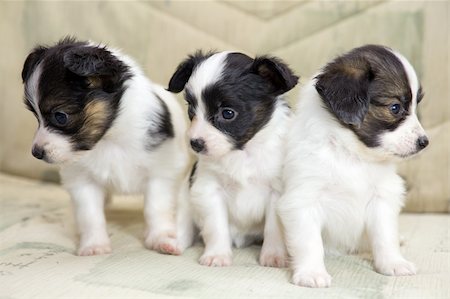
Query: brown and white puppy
(111,130)
(354,120)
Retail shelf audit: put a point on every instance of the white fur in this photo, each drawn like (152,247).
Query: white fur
(120,163)
(218,144)
(341,196)
(32,90)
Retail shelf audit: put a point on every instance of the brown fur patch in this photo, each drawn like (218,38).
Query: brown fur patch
(383,112)
(94,82)
(96,119)
(379,118)
(353,70)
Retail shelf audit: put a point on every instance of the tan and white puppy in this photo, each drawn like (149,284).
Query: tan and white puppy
(111,130)
(354,121)
(239,120)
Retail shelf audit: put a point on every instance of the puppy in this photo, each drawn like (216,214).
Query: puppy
(111,130)
(355,119)
(238,122)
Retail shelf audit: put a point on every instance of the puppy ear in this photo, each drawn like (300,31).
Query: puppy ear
(280,77)
(31,61)
(184,71)
(97,64)
(88,61)
(344,87)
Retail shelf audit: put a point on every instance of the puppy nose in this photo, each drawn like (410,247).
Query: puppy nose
(38,152)
(198,145)
(422,142)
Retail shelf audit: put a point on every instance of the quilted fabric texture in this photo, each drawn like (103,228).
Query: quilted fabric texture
(305,34)
(38,243)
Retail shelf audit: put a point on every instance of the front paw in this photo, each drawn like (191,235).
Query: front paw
(94,249)
(312,279)
(273,259)
(165,243)
(219,260)
(396,267)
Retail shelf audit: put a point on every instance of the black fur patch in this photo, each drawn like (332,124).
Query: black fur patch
(65,85)
(192,103)
(192,174)
(161,129)
(251,88)
(359,88)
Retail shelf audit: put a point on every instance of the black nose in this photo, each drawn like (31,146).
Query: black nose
(38,152)
(422,142)
(198,145)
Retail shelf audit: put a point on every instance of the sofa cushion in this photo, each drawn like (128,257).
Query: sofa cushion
(307,34)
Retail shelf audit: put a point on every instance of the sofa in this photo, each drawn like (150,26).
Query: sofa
(37,232)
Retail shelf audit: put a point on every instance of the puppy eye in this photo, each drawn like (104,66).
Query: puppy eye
(395,108)
(60,118)
(228,114)
(191,111)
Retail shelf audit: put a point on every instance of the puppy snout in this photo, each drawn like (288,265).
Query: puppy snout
(198,145)
(38,152)
(422,142)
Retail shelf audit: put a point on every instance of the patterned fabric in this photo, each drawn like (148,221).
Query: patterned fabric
(38,242)
(306,34)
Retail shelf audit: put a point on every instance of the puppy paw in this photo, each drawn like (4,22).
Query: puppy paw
(398,267)
(312,279)
(163,243)
(215,260)
(96,249)
(273,259)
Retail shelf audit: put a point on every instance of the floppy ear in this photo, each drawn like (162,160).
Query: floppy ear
(97,64)
(184,71)
(280,77)
(344,87)
(31,62)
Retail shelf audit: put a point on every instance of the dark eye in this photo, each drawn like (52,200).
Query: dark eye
(228,114)
(191,111)
(60,118)
(395,108)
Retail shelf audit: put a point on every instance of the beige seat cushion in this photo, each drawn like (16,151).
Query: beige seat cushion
(38,242)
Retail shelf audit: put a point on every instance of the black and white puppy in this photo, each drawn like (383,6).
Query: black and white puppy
(112,130)
(238,123)
(355,119)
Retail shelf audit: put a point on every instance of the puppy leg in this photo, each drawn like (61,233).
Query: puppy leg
(186,230)
(303,237)
(212,219)
(273,251)
(215,233)
(159,212)
(382,229)
(88,201)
